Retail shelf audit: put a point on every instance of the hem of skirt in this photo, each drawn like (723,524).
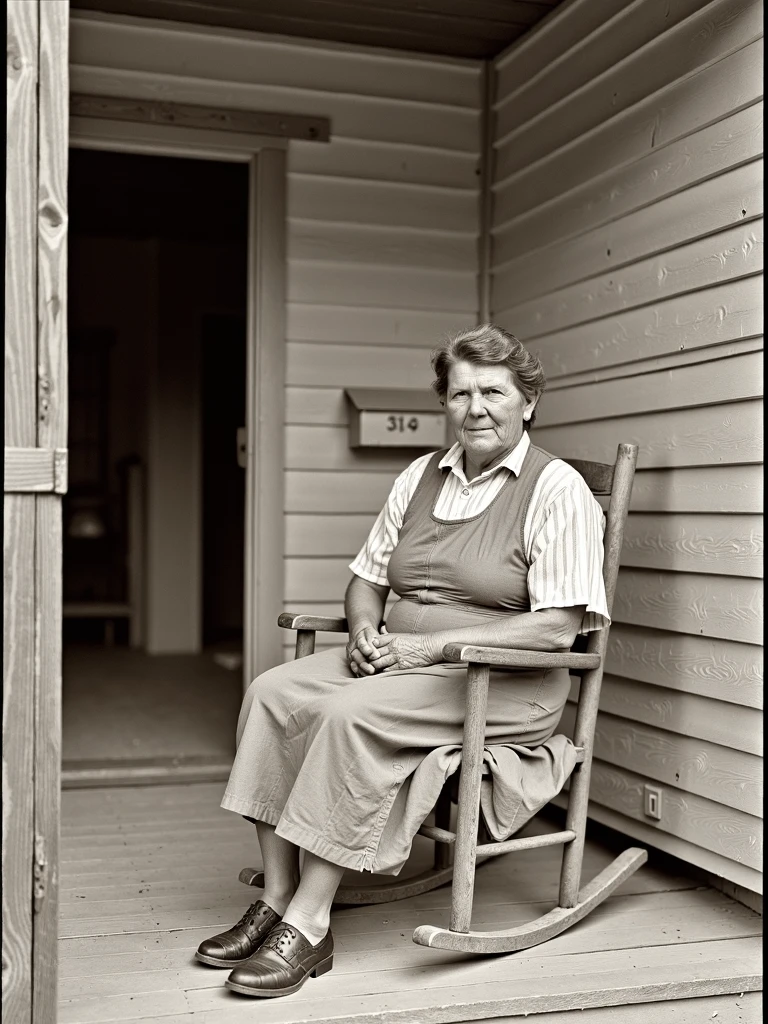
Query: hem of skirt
(251,809)
(323,847)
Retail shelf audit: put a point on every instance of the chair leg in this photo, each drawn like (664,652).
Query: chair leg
(469,798)
(443,851)
(578,793)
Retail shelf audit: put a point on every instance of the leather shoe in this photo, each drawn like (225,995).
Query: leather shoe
(283,963)
(242,940)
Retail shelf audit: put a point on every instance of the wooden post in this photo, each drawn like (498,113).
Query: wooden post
(35,421)
(463,888)
(19,508)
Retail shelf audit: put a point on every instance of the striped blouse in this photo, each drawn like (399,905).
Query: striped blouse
(562,533)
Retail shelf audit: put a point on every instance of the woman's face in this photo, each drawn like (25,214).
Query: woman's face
(486,411)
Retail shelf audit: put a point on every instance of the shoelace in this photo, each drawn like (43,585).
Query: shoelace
(248,916)
(278,935)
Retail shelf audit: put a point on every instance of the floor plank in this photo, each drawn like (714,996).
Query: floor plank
(136,902)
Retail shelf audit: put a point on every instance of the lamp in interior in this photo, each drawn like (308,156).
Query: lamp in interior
(86,523)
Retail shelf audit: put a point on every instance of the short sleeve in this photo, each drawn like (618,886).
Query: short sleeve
(566,552)
(373,558)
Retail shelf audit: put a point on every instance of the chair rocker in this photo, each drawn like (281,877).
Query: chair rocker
(574,902)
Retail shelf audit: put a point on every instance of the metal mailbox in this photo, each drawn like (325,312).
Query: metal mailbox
(395,418)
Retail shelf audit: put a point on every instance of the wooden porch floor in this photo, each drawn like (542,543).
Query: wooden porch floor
(147,873)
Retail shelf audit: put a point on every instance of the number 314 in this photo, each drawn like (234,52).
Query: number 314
(400,424)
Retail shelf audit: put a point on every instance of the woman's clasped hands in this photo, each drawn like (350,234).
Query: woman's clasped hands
(372,651)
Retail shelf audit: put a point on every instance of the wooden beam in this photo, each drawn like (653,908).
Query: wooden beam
(185,115)
(35,470)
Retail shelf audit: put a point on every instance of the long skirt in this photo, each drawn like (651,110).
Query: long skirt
(348,768)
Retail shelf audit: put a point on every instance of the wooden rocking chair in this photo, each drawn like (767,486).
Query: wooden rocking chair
(574,902)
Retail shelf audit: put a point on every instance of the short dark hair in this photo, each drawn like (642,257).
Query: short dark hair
(489,345)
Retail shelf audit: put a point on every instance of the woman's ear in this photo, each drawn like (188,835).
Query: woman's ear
(528,410)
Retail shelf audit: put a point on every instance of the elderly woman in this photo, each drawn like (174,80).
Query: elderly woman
(492,542)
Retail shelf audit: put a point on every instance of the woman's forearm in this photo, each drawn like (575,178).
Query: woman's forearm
(364,604)
(550,629)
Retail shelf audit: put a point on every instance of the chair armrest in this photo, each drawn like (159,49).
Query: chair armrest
(323,622)
(506,657)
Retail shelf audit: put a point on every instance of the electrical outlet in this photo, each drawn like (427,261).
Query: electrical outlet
(652,802)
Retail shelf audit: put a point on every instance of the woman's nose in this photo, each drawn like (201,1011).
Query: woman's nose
(477,406)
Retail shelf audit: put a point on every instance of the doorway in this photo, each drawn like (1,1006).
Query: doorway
(154,518)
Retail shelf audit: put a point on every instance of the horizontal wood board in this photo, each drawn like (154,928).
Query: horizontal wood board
(627,235)
(130,928)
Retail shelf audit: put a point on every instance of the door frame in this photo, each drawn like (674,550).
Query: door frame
(266,330)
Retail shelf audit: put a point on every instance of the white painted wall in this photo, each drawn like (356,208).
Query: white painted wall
(627,251)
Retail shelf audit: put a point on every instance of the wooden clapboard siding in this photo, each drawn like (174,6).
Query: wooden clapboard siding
(627,251)
(680,387)
(696,766)
(689,662)
(699,489)
(727,143)
(666,117)
(726,544)
(381,236)
(734,253)
(699,320)
(691,715)
(703,209)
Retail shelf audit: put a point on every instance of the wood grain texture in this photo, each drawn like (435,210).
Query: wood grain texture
(48,682)
(575,68)
(726,607)
(725,488)
(730,545)
(18,751)
(703,209)
(723,830)
(721,27)
(644,831)
(665,361)
(701,319)
(182,115)
(710,436)
(686,714)
(691,663)
(29,470)
(663,118)
(679,387)
(690,765)
(734,140)
(21,225)
(728,255)
(52,418)
(573,23)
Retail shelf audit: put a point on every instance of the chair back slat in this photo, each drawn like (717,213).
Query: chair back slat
(599,475)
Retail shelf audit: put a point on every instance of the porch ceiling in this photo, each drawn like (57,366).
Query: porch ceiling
(457,28)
